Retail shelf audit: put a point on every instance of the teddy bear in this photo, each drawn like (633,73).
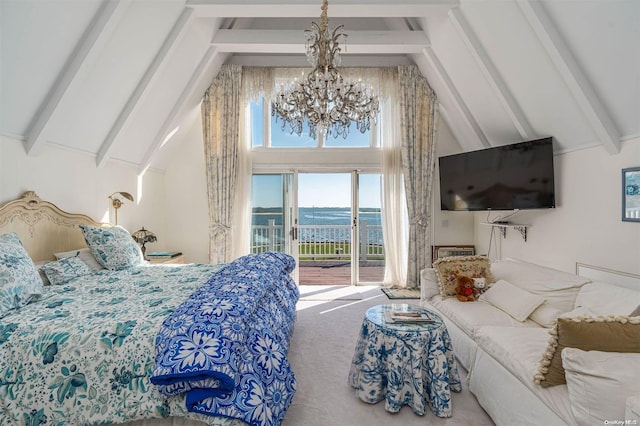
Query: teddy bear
(465,290)
(480,285)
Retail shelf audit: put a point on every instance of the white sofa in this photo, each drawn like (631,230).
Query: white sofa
(503,354)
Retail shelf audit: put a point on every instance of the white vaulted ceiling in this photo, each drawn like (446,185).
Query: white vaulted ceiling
(118,78)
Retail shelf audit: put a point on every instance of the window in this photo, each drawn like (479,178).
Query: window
(267,132)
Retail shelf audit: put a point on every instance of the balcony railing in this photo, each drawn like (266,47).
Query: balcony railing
(321,242)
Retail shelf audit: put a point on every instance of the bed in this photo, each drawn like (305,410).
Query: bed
(141,344)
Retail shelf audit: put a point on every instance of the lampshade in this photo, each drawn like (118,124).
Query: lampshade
(144,236)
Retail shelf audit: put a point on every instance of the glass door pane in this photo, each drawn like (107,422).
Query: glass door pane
(273,215)
(371,248)
(324,201)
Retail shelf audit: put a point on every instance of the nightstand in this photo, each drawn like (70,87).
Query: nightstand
(175,260)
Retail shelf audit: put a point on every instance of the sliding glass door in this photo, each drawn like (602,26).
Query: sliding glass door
(330,222)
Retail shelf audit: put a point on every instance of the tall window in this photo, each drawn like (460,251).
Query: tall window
(267,132)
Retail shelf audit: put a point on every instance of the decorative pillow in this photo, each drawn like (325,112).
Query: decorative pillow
(599,384)
(20,282)
(113,247)
(448,268)
(636,312)
(511,299)
(545,315)
(85,255)
(607,334)
(43,276)
(61,271)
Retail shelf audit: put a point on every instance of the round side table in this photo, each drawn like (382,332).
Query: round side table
(404,363)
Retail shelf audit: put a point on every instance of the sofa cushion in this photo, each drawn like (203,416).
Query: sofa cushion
(599,383)
(471,315)
(513,300)
(517,351)
(449,268)
(607,299)
(608,334)
(558,288)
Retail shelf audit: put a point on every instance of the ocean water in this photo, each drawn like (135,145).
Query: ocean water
(339,217)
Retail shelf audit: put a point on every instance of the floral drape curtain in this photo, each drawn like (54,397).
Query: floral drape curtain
(418,123)
(221,127)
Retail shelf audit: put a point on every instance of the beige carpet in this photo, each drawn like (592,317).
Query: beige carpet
(321,349)
(332,292)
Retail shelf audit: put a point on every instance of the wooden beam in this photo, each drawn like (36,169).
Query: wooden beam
(92,40)
(578,84)
(311,8)
(143,86)
(491,73)
(293,41)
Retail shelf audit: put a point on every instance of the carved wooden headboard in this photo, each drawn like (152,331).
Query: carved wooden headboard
(43,228)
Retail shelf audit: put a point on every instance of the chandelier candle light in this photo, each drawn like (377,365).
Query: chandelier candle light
(325,99)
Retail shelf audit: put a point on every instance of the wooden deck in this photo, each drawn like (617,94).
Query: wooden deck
(338,274)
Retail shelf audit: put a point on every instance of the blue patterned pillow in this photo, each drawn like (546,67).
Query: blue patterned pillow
(20,282)
(113,247)
(61,271)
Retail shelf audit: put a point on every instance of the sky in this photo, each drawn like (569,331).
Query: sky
(318,190)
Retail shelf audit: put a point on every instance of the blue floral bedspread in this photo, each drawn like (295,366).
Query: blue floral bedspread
(225,348)
(85,353)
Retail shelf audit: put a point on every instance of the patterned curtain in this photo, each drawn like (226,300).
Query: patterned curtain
(418,123)
(220,125)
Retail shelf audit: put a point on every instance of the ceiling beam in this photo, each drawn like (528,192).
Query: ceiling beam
(91,42)
(459,103)
(491,73)
(143,86)
(311,8)
(572,74)
(293,41)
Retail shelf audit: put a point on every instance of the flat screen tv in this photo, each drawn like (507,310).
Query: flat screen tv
(510,177)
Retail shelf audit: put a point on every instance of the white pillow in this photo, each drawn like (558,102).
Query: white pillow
(607,299)
(599,383)
(428,284)
(558,288)
(84,255)
(546,315)
(513,300)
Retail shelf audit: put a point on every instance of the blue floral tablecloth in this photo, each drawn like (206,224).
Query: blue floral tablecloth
(404,363)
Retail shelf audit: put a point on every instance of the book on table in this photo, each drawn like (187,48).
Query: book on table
(408,316)
(164,254)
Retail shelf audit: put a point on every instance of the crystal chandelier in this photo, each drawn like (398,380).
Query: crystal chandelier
(324,98)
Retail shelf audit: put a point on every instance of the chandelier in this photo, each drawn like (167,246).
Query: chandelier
(328,102)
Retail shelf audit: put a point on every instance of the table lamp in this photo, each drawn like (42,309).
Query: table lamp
(144,236)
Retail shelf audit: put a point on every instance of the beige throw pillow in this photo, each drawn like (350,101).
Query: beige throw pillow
(606,334)
(449,268)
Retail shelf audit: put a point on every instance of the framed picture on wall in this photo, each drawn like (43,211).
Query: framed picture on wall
(631,194)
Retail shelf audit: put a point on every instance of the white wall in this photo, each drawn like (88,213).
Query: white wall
(449,228)
(187,208)
(72,181)
(586,225)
